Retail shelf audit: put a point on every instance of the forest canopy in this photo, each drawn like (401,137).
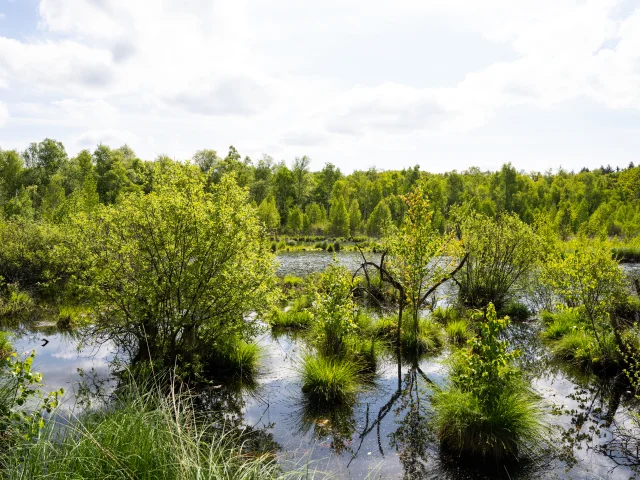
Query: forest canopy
(44,183)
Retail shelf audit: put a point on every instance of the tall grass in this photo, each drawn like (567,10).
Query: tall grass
(290,319)
(142,435)
(5,345)
(430,338)
(458,331)
(329,379)
(582,349)
(513,427)
(560,323)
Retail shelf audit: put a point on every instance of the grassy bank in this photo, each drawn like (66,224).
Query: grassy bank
(142,435)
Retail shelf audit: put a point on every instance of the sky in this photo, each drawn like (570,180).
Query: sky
(444,84)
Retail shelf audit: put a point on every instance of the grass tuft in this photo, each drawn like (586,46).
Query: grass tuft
(141,435)
(514,427)
(458,331)
(329,380)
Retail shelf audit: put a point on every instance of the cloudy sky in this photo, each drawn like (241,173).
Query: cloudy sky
(446,84)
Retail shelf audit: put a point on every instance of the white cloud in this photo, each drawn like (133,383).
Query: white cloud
(4,114)
(180,75)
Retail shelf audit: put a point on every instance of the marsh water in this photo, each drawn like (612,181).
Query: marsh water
(385,432)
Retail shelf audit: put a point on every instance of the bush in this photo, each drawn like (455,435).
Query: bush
(502,253)
(329,380)
(330,248)
(290,281)
(487,410)
(5,345)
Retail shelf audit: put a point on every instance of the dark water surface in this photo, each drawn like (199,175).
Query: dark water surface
(385,433)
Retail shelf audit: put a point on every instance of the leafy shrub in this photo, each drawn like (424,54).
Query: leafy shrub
(290,281)
(487,410)
(5,345)
(329,379)
(502,252)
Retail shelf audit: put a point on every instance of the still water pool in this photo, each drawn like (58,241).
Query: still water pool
(384,433)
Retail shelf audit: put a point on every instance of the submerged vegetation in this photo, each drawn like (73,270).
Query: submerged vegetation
(174,265)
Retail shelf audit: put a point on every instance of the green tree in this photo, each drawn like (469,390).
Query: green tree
(177,269)
(355,217)
(589,279)
(502,253)
(379,219)
(207,160)
(268,213)
(302,179)
(339,218)
(419,258)
(44,159)
(294,222)
(334,309)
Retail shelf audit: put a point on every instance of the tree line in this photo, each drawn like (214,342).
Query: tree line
(44,183)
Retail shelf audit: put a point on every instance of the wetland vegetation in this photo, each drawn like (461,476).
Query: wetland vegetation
(232,319)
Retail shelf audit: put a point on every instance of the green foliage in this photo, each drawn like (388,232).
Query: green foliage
(329,379)
(430,338)
(488,411)
(516,310)
(334,309)
(23,405)
(420,258)
(241,358)
(588,279)
(501,254)
(268,213)
(560,323)
(339,218)
(584,350)
(445,315)
(290,319)
(30,257)
(458,331)
(177,268)
(514,426)
(141,435)
(379,220)
(355,217)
